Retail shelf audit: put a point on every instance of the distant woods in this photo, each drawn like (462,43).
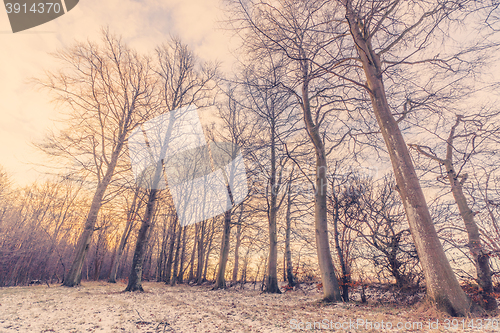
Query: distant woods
(369,144)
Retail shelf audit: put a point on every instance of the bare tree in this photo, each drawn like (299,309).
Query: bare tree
(180,276)
(382,224)
(106,88)
(239,226)
(232,137)
(456,180)
(290,196)
(183,84)
(36,228)
(380,31)
(276,117)
(132,213)
(342,198)
(299,33)
(134,280)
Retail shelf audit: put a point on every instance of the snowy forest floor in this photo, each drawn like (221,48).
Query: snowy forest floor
(103,307)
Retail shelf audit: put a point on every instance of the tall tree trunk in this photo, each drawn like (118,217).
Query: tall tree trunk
(442,285)
(170,257)
(272,266)
(220,282)
(245,267)
(74,275)
(345,274)
(173,281)
(288,251)
(481,259)
(163,253)
(132,213)
(134,280)
(331,291)
(193,254)
(125,254)
(180,276)
(201,248)
(97,258)
(237,248)
(149,250)
(209,249)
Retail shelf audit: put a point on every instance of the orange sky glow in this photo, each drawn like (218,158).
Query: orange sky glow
(27,113)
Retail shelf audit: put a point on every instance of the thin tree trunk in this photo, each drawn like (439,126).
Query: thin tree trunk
(180,277)
(170,257)
(173,281)
(442,285)
(345,276)
(220,282)
(193,255)
(331,291)
(245,267)
(284,268)
(98,259)
(237,248)
(122,268)
(288,251)
(272,266)
(481,259)
(209,249)
(264,276)
(134,280)
(199,267)
(126,233)
(149,250)
(163,253)
(74,275)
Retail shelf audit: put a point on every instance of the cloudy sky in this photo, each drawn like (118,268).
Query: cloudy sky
(26,113)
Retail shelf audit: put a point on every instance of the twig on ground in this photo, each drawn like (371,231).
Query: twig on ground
(139,315)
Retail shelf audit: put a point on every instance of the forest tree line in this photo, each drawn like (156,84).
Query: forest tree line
(369,130)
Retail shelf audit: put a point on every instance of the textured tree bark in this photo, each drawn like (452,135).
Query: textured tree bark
(134,280)
(331,291)
(271,285)
(481,259)
(220,282)
(272,266)
(442,285)
(148,258)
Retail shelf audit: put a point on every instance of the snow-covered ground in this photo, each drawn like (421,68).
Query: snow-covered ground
(103,307)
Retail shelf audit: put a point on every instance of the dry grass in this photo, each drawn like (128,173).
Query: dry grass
(102,307)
